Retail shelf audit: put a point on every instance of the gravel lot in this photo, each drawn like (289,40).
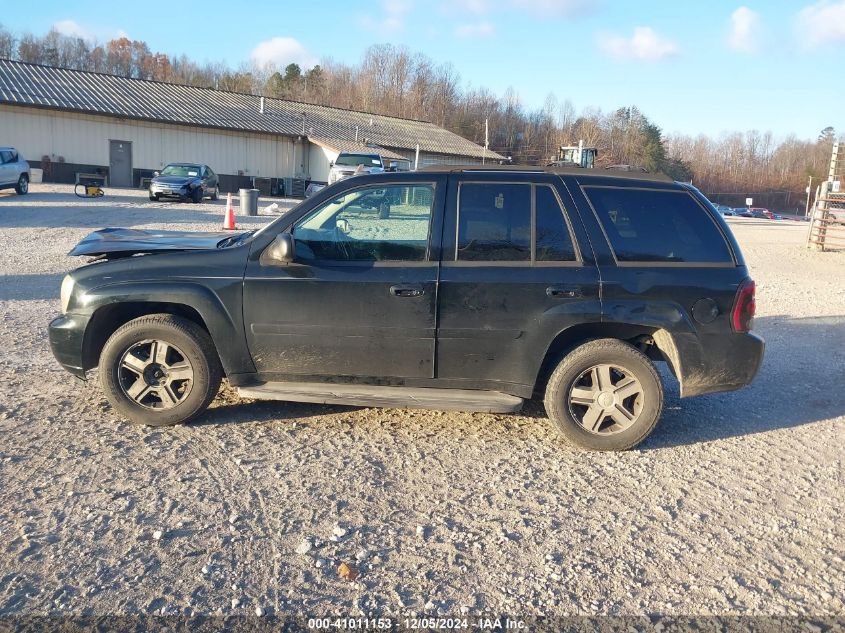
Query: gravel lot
(733,506)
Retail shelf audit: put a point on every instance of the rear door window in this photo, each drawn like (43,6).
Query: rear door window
(495,222)
(651,225)
(554,241)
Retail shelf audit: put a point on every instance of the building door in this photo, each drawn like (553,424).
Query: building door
(120,163)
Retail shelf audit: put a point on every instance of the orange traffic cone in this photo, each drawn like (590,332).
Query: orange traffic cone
(229,219)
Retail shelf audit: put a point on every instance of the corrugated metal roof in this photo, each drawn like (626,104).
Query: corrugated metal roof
(94,93)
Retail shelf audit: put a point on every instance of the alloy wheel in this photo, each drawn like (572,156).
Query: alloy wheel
(155,374)
(605,399)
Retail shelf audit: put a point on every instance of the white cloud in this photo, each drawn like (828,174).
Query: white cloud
(479,29)
(72,28)
(822,22)
(471,6)
(744,30)
(644,45)
(393,18)
(565,8)
(281,51)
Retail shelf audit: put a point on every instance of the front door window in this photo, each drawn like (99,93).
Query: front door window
(384,223)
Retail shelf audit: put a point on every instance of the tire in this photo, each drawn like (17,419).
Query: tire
(154,197)
(22,186)
(604,409)
(129,370)
(196,195)
(216,194)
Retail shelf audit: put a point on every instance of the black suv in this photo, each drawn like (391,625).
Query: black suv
(478,289)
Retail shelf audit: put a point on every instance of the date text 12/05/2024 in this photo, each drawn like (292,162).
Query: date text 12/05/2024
(414,624)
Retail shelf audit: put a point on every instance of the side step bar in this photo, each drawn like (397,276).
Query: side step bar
(387,397)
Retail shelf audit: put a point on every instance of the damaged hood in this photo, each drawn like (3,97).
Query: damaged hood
(132,241)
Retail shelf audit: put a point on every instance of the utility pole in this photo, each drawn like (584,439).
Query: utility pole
(809,188)
(486,142)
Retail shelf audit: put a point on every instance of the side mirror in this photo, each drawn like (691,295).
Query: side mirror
(331,163)
(156,173)
(281,250)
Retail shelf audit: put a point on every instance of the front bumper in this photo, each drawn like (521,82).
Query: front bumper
(166,190)
(67,333)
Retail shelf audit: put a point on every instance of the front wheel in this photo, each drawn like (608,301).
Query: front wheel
(196,195)
(154,196)
(160,370)
(23,185)
(605,395)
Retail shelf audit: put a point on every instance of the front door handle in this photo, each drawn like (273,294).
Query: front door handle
(407,291)
(563,292)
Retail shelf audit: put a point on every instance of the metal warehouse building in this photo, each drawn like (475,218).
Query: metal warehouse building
(68,122)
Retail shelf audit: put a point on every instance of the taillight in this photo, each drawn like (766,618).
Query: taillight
(742,314)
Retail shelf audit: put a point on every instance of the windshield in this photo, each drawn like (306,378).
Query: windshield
(181,170)
(351,160)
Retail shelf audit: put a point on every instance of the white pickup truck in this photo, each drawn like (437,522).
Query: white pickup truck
(349,164)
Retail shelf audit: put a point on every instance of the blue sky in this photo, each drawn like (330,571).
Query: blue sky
(691,66)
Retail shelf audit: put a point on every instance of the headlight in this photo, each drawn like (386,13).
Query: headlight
(67,289)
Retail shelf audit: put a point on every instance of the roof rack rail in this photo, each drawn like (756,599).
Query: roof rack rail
(558,171)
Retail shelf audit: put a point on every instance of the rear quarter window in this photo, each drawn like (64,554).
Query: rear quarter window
(650,225)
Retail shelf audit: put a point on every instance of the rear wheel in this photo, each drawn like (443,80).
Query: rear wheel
(23,185)
(605,395)
(216,194)
(160,370)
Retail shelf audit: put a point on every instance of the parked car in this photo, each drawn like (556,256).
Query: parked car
(743,212)
(351,164)
(14,171)
(725,211)
(483,287)
(186,181)
(761,213)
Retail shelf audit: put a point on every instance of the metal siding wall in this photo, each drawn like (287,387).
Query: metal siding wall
(85,139)
(319,162)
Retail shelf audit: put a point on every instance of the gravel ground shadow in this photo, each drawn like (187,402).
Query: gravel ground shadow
(793,387)
(30,287)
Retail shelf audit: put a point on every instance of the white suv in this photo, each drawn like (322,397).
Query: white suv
(14,170)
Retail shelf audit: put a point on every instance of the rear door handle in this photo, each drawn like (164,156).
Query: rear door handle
(407,291)
(563,292)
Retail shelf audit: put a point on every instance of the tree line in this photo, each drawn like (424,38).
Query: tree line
(394,81)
